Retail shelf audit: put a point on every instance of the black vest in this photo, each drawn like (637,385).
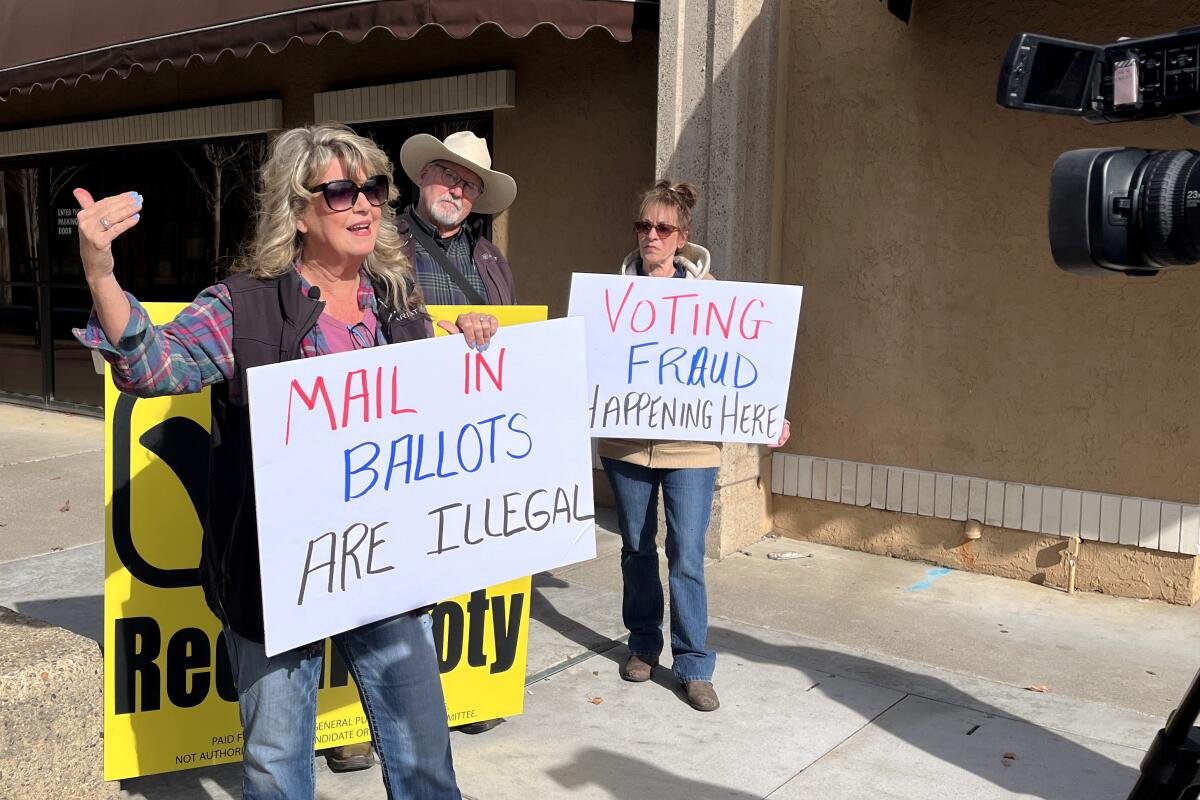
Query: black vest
(270,318)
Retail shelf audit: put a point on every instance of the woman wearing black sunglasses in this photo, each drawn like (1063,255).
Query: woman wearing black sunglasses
(322,273)
(686,473)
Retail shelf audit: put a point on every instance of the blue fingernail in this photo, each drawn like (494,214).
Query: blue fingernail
(483,347)
(137,216)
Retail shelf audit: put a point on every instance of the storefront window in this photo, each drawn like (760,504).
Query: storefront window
(198,206)
(20,333)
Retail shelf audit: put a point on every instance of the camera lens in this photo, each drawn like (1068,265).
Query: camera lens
(1169,207)
(1125,210)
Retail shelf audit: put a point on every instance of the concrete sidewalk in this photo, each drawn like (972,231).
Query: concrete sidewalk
(841,675)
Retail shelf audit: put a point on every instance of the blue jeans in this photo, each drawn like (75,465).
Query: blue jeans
(394,665)
(687,498)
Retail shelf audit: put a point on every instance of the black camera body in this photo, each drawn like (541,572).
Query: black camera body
(1122,210)
(1133,79)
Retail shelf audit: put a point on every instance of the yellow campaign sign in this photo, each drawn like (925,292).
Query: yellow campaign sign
(169,698)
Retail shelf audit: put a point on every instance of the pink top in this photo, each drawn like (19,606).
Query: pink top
(343,338)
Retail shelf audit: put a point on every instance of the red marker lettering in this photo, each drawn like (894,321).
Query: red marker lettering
(396,395)
(482,366)
(364,395)
(757,322)
(675,298)
(724,325)
(633,317)
(612,321)
(310,402)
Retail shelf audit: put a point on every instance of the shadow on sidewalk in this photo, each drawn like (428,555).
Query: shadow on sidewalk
(614,771)
(1092,769)
(542,610)
(81,615)
(202,783)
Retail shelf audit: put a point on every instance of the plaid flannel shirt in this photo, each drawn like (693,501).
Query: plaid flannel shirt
(438,287)
(193,350)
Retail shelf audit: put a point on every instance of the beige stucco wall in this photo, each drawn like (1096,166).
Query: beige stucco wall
(1101,567)
(581,146)
(937,332)
(580,142)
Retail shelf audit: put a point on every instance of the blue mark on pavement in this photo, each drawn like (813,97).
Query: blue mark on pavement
(934,574)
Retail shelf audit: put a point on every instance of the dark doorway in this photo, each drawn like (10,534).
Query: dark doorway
(198,205)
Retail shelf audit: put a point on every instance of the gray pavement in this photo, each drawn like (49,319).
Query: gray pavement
(51,481)
(842,675)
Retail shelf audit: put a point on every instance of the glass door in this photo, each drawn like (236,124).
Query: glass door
(23,343)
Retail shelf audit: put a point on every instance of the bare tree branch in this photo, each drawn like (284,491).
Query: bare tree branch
(60,177)
(231,163)
(25,182)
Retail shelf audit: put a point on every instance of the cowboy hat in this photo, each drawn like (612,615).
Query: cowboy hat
(467,149)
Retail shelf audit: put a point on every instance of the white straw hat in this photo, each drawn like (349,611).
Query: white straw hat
(467,149)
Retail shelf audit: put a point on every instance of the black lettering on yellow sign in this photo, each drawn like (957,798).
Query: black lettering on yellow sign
(449,623)
(189,663)
(193,664)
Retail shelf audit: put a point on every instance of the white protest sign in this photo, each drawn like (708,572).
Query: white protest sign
(393,477)
(687,359)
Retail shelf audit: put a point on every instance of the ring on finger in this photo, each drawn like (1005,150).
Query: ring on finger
(104,223)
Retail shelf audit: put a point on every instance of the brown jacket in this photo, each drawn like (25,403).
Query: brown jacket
(666,454)
(492,265)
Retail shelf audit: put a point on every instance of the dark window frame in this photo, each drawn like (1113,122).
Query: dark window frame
(46,282)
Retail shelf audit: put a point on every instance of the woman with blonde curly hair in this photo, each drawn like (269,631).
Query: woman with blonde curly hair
(322,273)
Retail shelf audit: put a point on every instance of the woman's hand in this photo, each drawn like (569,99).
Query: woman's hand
(99,223)
(784,435)
(477,329)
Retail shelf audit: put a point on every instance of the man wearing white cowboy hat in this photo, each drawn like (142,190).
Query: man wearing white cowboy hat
(455,178)
(454,266)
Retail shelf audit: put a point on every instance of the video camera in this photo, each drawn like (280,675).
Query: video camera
(1115,209)
(1127,210)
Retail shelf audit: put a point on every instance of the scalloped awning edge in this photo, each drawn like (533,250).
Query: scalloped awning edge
(311,25)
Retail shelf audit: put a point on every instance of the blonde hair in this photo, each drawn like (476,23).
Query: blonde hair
(680,196)
(296,160)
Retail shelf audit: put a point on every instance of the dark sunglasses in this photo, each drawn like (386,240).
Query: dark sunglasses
(643,228)
(342,195)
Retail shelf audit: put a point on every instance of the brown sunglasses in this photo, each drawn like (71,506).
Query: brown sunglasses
(644,226)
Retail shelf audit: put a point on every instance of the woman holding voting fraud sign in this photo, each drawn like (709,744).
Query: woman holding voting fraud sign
(687,475)
(322,273)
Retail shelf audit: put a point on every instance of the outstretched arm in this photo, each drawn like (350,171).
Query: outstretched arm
(100,222)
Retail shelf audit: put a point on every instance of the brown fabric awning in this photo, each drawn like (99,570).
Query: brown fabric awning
(64,42)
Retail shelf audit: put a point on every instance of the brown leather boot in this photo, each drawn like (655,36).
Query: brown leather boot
(701,696)
(350,757)
(474,728)
(639,668)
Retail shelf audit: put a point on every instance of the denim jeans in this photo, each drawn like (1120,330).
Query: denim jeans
(687,499)
(394,665)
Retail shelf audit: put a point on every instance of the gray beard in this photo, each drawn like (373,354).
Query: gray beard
(439,217)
